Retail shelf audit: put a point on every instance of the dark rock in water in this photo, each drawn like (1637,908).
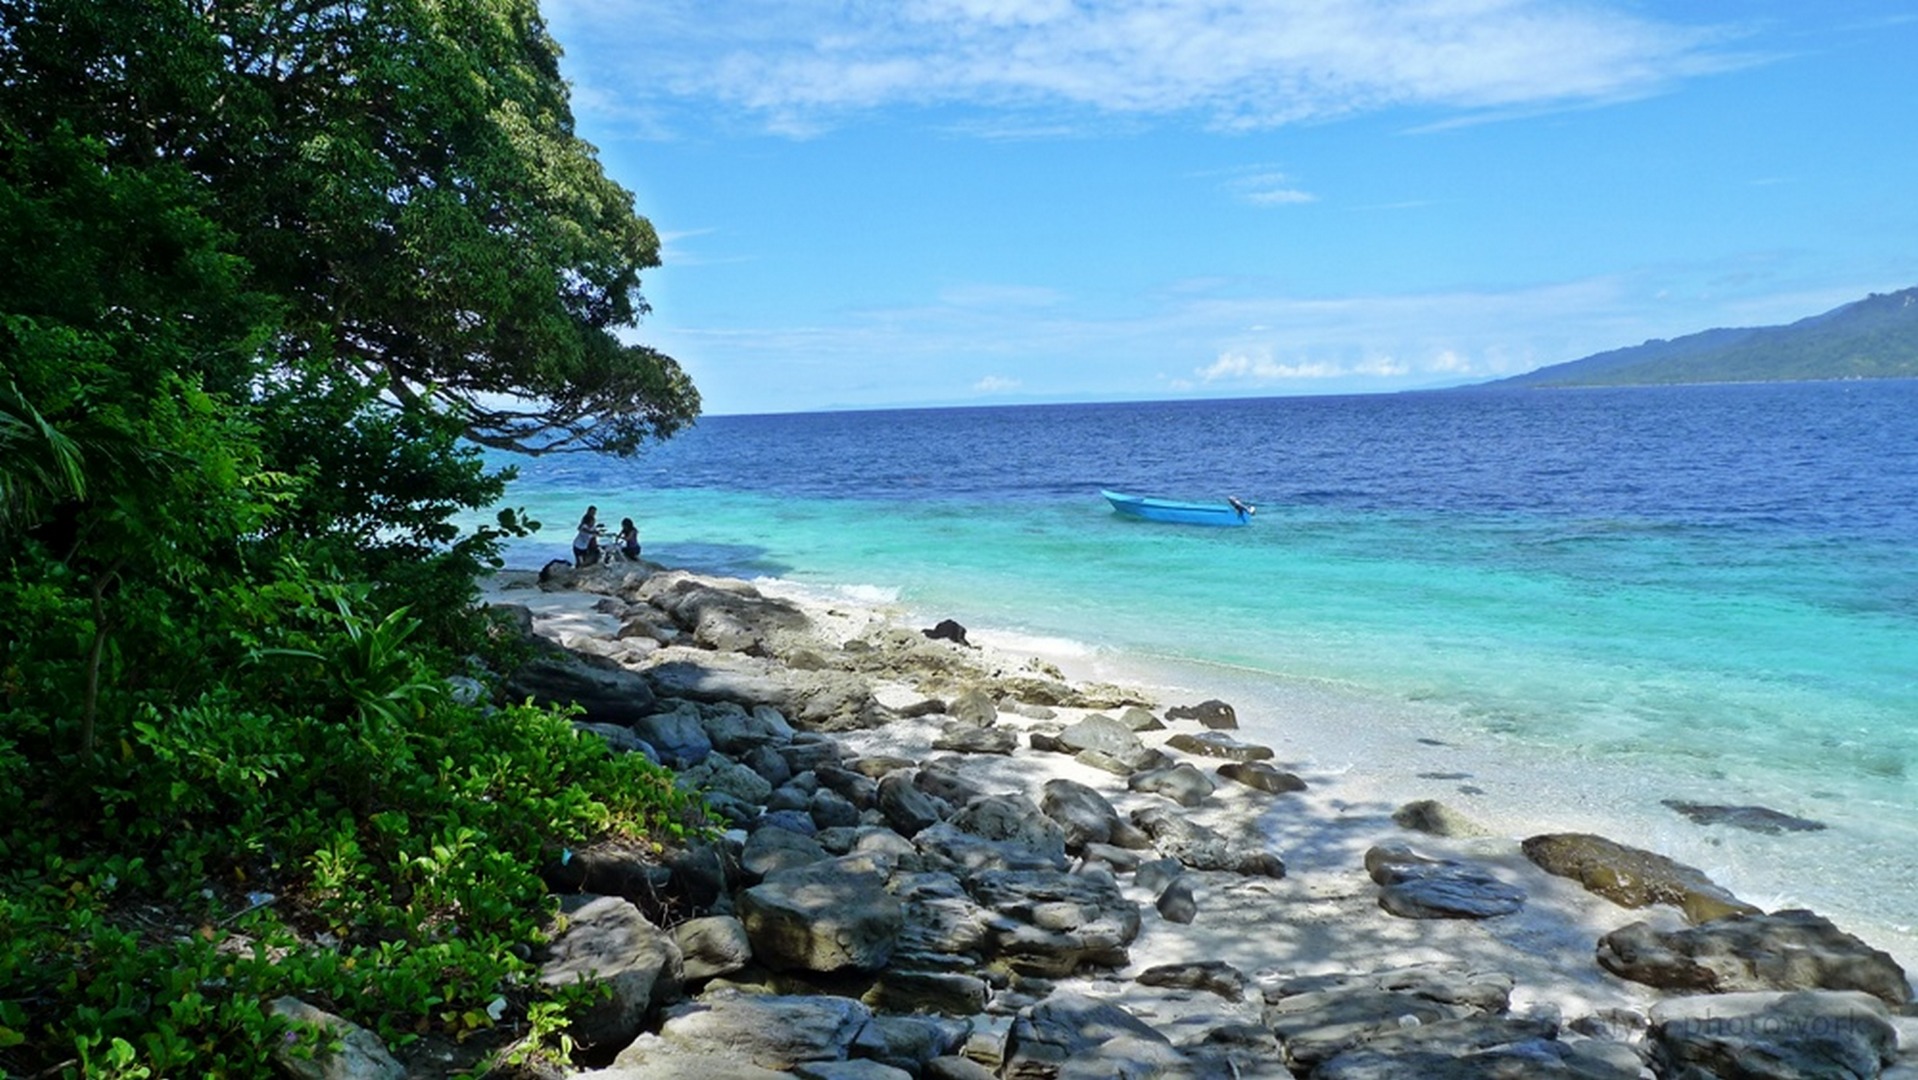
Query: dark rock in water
(1785,950)
(1177,904)
(947,630)
(557,574)
(1793,1035)
(1217,745)
(1632,877)
(1261,776)
(1212,976)
(1445,776)
(1756,819)
(1211,713)
(1414,887)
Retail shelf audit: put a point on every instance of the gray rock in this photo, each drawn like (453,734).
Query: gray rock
(945,779)
(1155,875)
(947,630)
(1262,776)
(965,738)
(1470,1048)
(1071,1036)
(1785,950)
(906,808)
(608,943)
(1182,783)
(829,916)
(1217,744)
(618,738)
(1139,718)
(1145,757)
(973,706)
(954,1067)
(608,693)
(713,945)
(1176,903)
(1756,819)
(810,750)
(1102,733)
(770,850)
(769,764)
(1212,976)
(607,870)
(830,810)
(718,773)
(1082,813)
(360,1056)
(951,993)
(678,736)
(769,1030)
(1414,887)
(794,821)
(1201,848)
(854,1069)
(906,1042)
(1114,858)
(1059,922)
(947,845)
(855,787)
(1436,818)
(1778,1036)
(1632,877)
(1013,819)
(1318,1017)
(733,730)
(702,873)
(651,1058)
(816,700)
(1212,713)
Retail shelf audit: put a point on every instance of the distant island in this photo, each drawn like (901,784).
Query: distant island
(1873,338)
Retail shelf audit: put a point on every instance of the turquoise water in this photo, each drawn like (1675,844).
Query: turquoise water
(1606,599)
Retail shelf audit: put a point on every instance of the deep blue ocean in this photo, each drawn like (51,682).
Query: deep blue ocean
(1553,609)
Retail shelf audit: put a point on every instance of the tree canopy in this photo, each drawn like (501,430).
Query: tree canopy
(402,176)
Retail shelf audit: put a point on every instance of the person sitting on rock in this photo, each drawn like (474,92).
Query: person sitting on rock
(586,540)
(628,540)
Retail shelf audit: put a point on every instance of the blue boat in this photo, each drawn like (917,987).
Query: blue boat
(1229,512)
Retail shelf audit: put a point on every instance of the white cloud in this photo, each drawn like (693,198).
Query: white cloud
(1239,63)
(996,384)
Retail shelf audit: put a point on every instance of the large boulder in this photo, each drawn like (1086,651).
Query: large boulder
(1632,877)
(1082,813)
(771,1031)
(1014,820)
(1779,1036)
(831,916)
(608,943)
(1070,1036)
(1054,923)
(1785,950)
(1211,713)
(816,700)
(1317,1017)
(1412,886)
(360,1055)
(608,693)
(905,807)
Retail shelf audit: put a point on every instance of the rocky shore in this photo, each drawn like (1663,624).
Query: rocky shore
(941,862)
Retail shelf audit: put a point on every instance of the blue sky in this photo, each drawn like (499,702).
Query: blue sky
(949,202)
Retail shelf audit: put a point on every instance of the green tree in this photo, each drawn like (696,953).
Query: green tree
(404,174)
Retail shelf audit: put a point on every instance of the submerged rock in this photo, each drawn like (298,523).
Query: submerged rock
(1758,819)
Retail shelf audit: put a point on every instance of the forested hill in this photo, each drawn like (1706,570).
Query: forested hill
(1873,338)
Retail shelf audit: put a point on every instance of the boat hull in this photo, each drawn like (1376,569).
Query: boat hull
(1177,512)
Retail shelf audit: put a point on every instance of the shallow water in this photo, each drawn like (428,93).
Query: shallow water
(1596,600)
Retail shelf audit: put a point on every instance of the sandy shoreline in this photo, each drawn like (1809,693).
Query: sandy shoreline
(1323,916)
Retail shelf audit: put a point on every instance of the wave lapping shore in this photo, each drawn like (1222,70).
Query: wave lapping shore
(945,861)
